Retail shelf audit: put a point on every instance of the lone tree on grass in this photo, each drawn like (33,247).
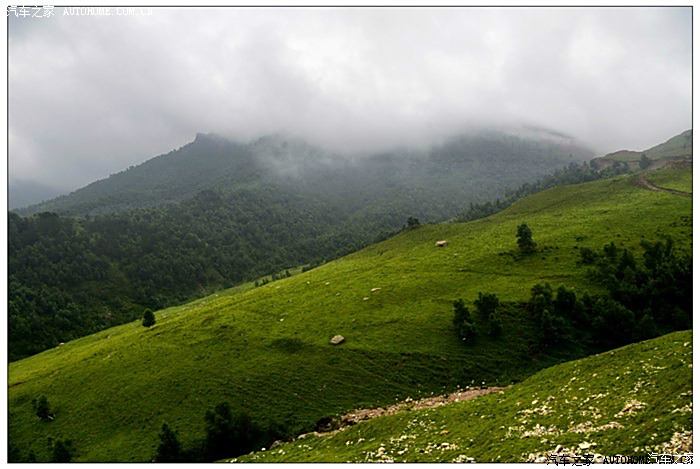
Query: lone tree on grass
(42,409)
(149,319)
(525,241)
(412,223)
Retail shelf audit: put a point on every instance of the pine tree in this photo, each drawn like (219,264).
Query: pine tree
(525,242)
(169,449)
(486,305)
(149,319)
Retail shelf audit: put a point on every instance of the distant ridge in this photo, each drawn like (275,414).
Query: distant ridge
(498,160)
(679,147)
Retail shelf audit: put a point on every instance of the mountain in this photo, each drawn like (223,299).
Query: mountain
(266,350)
(215,213)
(631,401)
(490,160)
(678,148)
(23,193)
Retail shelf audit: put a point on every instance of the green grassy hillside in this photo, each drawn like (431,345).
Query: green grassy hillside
(679,147)
(679,179)
(631,401)
(266,350)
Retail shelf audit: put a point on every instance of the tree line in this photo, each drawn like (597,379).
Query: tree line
(645,296)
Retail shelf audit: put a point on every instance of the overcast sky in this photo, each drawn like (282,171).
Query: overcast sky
(91,95)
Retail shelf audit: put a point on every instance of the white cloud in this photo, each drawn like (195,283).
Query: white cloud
(92,95)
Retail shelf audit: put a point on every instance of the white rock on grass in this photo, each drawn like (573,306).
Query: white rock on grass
(337,340)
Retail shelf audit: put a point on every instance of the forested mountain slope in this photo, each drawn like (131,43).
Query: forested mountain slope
(472,166)
(215,213)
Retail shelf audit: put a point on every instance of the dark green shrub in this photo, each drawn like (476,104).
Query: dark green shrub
(462,320)
(495,325)
(169,448)
(588,256)
(565,304)
(412,223)
(62,451)
(612,324)
(229,434)
(42,409)
(644,161)
(486,305)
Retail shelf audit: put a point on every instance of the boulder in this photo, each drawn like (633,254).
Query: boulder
(337,340)
(441,244)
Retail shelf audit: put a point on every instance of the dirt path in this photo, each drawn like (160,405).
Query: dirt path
(645,183)
(356,416)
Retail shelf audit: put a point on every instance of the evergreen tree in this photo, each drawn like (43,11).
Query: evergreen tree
(495,325)
(525,242)
(486,305)
(462,321)
(169,449)
(565,304)
(149,319)
(228,434)
(644,161)
(412,223)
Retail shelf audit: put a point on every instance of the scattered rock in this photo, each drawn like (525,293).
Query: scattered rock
(585,445)
(337,340)
(375,289)
(365,298)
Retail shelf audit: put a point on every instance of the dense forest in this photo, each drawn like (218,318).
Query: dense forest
(72,276)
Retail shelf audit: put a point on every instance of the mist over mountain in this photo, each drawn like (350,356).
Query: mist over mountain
(349,79)
(476,165)
(23,193)
(216,212)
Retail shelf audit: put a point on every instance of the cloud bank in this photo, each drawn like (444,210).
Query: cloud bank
(90,95)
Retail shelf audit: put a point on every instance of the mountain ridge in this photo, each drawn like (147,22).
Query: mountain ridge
(215,162)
